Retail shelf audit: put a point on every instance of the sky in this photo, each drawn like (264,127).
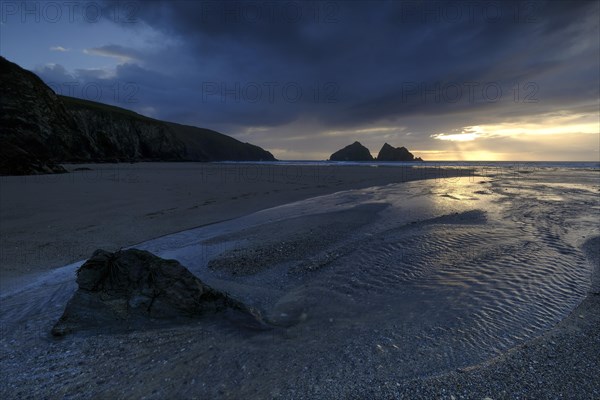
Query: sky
(457,80)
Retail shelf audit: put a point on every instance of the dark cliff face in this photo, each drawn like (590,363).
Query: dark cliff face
(125,135)
(207,145)
(35,128)
(39,129)
(353,152)
(389,153)
(115,134)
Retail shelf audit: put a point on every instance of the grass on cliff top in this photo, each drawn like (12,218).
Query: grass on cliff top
(201,143)
(74,102)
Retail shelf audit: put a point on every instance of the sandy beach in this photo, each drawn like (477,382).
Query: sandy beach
(377,283)
(52,220)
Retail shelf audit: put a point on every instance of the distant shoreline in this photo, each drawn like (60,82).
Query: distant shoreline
(445,163)
(519,166)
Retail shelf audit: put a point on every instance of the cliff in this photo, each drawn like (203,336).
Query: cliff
(35,128)
(154,140)
(39,130)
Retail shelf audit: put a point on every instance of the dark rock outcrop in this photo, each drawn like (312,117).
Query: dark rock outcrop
(36,131)
(353,152)
(39,130)
(127,136)
(115,134)
(208,145)
(130,288)
(389,153)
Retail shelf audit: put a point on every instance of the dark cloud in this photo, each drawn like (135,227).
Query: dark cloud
(237,65)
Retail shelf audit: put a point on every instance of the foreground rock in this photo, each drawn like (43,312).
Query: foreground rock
(129,288)
(353,152)
(390,153)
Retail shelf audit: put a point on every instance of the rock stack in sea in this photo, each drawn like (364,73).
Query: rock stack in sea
(353,152)
(390,153)
(357,152)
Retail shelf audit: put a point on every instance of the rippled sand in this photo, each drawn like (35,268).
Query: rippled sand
(385,283)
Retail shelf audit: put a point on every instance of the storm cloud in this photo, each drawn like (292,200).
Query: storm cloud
(303,78)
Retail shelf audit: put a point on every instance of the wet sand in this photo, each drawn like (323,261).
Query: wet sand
(52,220)
(365,288)
(563,363)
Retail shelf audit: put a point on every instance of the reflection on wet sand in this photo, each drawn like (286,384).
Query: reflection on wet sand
(390,282)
